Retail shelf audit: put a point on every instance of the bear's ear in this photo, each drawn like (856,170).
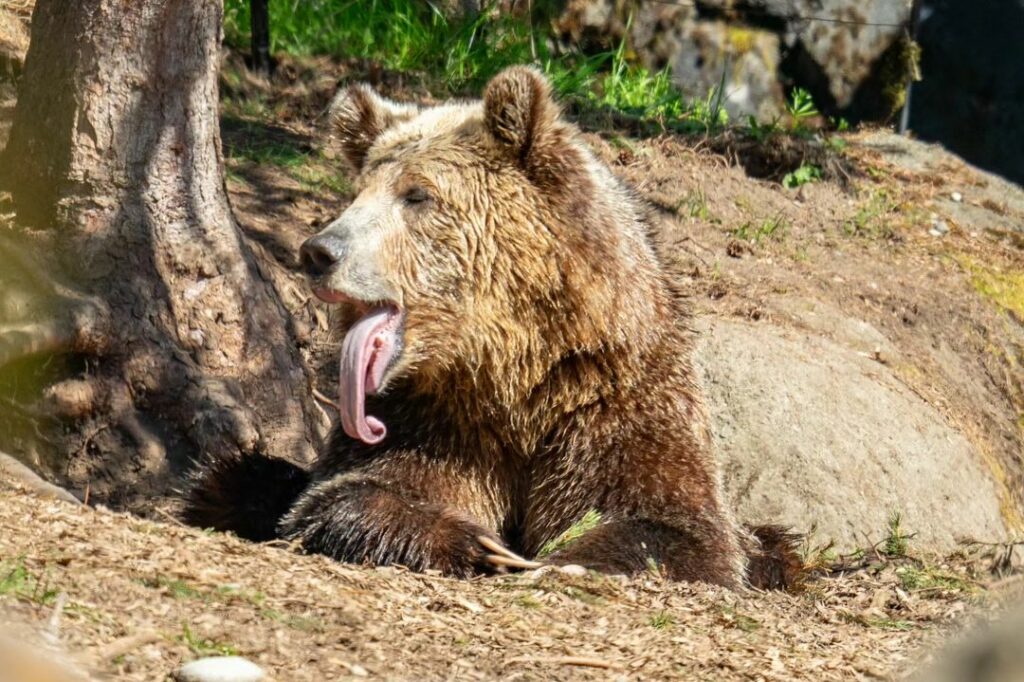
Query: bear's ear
(359,115)
(520,112)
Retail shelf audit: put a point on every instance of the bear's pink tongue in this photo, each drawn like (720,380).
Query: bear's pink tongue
(365,354)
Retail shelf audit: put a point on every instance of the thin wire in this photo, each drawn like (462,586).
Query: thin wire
(791,17)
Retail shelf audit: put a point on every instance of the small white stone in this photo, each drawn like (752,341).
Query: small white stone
(957,197)
(574,570)
(220,669)
(939,228)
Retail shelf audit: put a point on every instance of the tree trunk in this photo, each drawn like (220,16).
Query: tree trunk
(259,13)
(176,346)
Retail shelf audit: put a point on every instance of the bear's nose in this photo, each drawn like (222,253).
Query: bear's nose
(320,253)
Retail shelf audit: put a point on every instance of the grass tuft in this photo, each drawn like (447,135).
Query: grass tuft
(663,620)
(586,524)
(17,581)
(202,646)
(769,228)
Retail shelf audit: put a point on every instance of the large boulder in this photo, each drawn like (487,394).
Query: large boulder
(814,434)
(833,47)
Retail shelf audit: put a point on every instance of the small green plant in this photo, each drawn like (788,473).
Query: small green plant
(896,541)
(708,115)
(801,176)
(662,620)
(769,228)
(840,124)
(837,144)
(801,105)
(694,204)
(761,131)
(586,524)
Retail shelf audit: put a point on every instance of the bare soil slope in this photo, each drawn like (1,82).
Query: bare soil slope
(136,598)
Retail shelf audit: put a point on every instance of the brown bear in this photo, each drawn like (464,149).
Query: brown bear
(516,357)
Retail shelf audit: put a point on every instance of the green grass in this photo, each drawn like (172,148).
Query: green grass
(264,151)
(456,57)
(662,620)
(756,232)
(402,35)
(873,218)
(202,646)
(310,168)
(179,589)
(928,578)
(589,521)
(739,620)
(17,581)
(695,205)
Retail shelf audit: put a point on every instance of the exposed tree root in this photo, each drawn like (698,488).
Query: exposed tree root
(22,341)
(13,469)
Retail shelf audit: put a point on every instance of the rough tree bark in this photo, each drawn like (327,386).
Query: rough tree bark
(179,346)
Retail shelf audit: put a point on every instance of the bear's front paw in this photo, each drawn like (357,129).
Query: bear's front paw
(457,546)
(362,522)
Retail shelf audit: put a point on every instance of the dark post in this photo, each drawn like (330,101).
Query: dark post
(260,15)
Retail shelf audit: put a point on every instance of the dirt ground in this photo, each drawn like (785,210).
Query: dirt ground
(136,598)
(141,595)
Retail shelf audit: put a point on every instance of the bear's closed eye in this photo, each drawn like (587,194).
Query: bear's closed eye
(416,195)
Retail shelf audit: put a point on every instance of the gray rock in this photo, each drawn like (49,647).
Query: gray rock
(846,50)
(991,653)
(220,669)
(812,434)
(939,227)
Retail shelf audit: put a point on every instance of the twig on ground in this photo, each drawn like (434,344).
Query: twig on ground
(53,625)
(581,661)
(171,517)
(124,645)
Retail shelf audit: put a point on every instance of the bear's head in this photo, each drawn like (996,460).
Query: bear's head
(485,246)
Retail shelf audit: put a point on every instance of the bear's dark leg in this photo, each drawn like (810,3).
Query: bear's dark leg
(681,551)
(658,502)
(399,510)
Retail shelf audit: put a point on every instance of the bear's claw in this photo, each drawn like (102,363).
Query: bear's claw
(503,557)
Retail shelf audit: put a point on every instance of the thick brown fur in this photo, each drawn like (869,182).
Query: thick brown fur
(545,369)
